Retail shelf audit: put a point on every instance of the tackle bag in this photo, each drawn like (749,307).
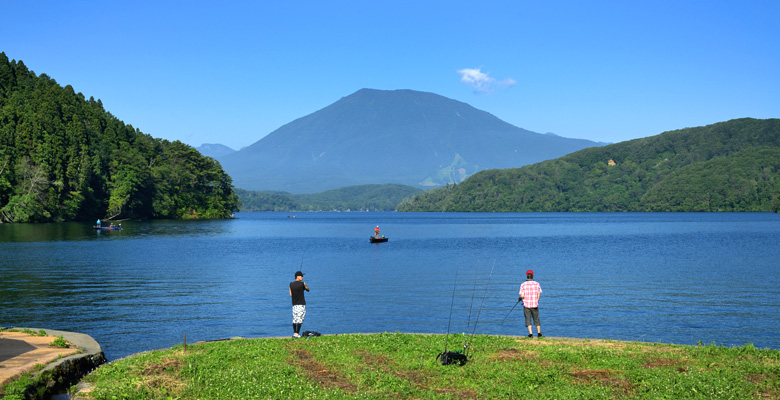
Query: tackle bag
(451,357)
(308,334)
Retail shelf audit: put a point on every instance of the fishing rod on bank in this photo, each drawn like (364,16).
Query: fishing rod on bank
(471,308)
(450,357)
(467,345)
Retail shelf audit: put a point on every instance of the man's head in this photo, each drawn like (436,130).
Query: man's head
(529,274)
(298,275)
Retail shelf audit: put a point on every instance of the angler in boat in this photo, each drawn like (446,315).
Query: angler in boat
(376,238)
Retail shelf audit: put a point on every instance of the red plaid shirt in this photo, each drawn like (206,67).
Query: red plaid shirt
(530,292)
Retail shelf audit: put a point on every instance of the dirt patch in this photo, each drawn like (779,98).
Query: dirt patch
(682,365)
(419,379)
(597,343)
(573,343)
(514,354)
(605,377)
(761,382)
(162,377)
(321,373)
(164,366)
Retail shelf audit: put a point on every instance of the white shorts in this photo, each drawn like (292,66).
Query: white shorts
(299,313)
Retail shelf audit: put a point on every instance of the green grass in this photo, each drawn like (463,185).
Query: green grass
(27,331)
(404,366)
(59,342)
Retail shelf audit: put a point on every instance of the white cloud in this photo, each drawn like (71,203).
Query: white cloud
(483,82)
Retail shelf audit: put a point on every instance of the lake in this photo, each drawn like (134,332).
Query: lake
(682,278)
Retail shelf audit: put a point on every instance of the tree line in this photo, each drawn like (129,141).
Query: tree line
(355,198)
(728,166)
(64,158)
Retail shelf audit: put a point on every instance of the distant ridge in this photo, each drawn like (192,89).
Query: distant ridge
(728,166)
(373,136)
(214,150)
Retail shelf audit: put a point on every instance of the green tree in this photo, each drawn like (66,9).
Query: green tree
(63,157)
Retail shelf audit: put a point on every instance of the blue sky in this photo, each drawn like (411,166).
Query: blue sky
(231,73)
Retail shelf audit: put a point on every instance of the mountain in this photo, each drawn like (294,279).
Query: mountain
(728,166)
(214,150)
(64,158)
(403,136)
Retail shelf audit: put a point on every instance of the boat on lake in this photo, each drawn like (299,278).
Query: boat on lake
(375,239)
(108,228)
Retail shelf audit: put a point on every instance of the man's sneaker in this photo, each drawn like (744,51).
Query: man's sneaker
(295,335)
(530,335)
(539,335)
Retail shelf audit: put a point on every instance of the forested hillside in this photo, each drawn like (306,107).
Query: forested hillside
(355,198)
(63,157)
(728,166)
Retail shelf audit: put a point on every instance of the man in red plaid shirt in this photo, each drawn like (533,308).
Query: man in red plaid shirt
(529,295)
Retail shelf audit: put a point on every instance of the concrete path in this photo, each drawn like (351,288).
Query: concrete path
(21,352)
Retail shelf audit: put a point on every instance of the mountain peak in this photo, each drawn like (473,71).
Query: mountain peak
(376,136)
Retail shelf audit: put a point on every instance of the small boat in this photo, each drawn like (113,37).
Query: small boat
(375,239)
(108,228)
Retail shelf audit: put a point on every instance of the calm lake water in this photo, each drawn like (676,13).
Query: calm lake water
(658,277)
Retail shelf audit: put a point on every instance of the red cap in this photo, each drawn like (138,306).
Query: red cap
(530,271)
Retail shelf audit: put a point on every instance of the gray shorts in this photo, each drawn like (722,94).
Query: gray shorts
(531,313)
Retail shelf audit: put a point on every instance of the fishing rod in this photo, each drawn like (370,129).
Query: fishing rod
(450,357)
(468,345)
(452,304)
(510,311)
(471,308)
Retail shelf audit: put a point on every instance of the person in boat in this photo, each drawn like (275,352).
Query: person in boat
(98,223)
(111,226)
(530,291)
(376,232)
(298,302)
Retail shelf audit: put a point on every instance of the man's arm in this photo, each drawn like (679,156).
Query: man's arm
(305,286)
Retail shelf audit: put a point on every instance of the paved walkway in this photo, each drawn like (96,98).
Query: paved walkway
(20,352)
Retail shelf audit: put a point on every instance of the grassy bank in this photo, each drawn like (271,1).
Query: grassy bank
(404,366)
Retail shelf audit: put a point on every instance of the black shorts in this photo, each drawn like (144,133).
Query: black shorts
(531,313)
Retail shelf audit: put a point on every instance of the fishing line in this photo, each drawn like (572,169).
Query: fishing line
(471,307)
(452,304)
(480,306)
(449,357)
